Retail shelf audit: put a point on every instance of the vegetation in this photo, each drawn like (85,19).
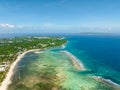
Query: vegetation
(12,47)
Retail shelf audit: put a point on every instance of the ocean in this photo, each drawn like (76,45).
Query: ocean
(99,54)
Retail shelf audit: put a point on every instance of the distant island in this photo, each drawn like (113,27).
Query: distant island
(11,48)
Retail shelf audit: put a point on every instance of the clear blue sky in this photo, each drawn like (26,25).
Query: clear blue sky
(27,16)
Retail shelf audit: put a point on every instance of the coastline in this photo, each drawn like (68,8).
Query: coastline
(7,80)
(79,66)
(76,63)
(107,82)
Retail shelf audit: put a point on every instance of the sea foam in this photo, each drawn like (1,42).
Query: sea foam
(108,81)
(74,58)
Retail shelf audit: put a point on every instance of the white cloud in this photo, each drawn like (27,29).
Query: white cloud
(53,27)
(10,26)
(7,26)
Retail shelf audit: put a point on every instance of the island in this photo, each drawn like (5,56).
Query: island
(12,48)
(44,63)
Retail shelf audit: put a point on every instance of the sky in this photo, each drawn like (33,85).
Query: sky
(59,16)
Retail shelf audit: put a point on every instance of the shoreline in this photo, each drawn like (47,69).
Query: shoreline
(79,66)
(7,80)
(76,63)
(63,46)
(108,82)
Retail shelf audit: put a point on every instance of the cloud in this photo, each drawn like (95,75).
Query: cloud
(49,27)
(10,26)
(56,28)
(7,26)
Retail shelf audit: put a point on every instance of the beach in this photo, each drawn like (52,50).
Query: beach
(7,81)
(70,68)
(60,69)
(51,68)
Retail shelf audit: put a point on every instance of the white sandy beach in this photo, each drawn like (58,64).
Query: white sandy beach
(7,81)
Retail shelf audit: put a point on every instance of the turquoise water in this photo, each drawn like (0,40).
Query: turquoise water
(97,53)
(100,54)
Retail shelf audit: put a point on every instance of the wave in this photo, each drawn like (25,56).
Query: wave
(107,81)
(63,46)
(38,51)
(74,58)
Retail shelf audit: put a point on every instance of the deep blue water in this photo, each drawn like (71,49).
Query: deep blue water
(99,54)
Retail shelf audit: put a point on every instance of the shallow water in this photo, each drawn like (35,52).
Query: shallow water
(53,69)
(51,66)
